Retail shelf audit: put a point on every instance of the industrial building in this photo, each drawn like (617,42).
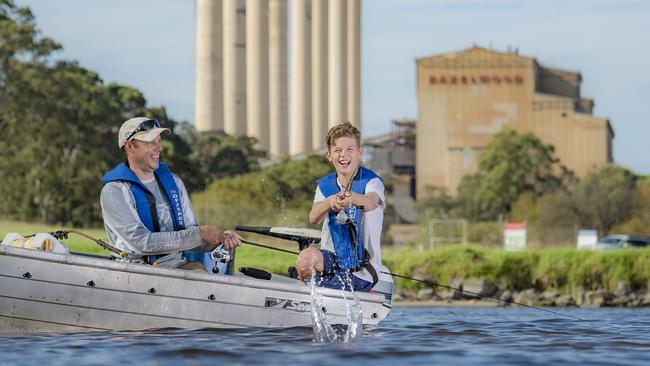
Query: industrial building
(466,97)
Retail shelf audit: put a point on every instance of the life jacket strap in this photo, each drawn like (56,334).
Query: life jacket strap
(369,267)
(152,210)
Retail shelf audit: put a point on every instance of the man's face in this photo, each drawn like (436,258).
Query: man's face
(146,155)
(345,154)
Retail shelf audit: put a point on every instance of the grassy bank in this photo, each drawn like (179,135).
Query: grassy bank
(562,268)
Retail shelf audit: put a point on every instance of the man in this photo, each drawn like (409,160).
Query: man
(146,208)
(350,202)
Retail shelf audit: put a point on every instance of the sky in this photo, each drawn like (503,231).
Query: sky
(149,44)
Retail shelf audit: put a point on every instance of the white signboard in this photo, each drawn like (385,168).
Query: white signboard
(514,236)
(587,238)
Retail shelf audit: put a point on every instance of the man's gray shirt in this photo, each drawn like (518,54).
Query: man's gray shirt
(126,231)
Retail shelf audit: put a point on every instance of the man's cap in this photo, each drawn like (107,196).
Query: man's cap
(131,125)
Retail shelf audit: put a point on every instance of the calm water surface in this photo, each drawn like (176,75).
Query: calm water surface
(443,336)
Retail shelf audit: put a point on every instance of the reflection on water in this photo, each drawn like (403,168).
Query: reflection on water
(447,336)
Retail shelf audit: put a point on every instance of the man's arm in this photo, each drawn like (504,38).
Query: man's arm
(211,236)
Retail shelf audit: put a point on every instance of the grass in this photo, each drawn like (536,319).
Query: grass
(75,243)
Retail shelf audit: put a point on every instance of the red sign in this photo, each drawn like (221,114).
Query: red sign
(476,79)
(514,225)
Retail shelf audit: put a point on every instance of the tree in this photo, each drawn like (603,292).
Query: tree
(603,198)
(639,217)
(222,156)
(510,165)
(59,123)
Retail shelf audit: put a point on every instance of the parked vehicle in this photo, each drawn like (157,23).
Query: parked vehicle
(617,241)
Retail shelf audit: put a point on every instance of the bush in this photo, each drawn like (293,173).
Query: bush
(486,232)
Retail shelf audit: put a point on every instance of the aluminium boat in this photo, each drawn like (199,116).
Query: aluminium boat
(43,291)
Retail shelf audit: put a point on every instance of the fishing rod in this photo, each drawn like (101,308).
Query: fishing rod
(429,283)
(268,247)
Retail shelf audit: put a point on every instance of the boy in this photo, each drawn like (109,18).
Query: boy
(350,202)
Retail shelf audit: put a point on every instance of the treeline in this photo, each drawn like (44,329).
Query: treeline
(59,124)
(520,179)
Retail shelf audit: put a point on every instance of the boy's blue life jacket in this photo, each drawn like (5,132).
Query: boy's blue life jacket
(350,255)
(144,199)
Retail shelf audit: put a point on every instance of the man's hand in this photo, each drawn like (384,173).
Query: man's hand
(212,235)
(215,237)
(232,240)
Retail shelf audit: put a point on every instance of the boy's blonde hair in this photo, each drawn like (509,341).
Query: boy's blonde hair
(344,129)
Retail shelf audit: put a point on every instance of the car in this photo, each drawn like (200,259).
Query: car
(617,241)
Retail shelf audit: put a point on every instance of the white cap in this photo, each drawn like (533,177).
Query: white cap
(131,125)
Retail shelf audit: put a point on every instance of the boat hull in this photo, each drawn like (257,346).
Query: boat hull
(42,291)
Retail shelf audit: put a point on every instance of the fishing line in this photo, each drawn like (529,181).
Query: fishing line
(480,296)
(429,283)
(61,234)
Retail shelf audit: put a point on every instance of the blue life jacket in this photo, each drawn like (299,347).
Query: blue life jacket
(144,199)
(349,254)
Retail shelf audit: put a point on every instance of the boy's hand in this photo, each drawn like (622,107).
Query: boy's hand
(344,199)
(337,202)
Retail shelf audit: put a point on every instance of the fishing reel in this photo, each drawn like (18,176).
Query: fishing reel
(221,255)
(219,261)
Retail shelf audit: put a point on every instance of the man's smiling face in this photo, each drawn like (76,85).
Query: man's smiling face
(146,155)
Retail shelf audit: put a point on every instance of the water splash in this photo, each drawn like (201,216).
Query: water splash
(324,331)
(354,331)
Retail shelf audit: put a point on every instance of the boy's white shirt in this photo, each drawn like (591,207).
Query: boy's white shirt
(371,226)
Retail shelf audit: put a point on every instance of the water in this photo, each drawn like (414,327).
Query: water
(443,336)
(324,332)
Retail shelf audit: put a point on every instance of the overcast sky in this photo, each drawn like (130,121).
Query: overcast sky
(149,44)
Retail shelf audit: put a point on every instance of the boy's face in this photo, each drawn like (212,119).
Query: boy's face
(345,155)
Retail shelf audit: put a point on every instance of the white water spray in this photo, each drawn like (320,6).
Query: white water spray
(324,332)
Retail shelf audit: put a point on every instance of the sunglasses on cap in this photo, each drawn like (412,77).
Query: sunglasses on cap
(144,126)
